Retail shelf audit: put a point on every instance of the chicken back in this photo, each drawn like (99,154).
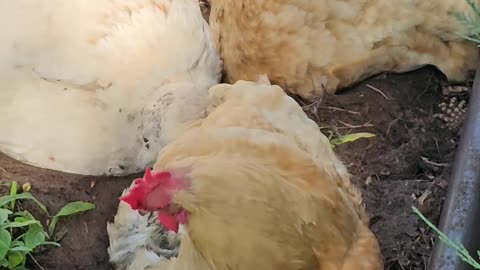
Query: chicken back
(309,47)
(264,191)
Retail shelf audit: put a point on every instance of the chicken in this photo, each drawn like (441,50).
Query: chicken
(313,47)
(254,185)
(99,87)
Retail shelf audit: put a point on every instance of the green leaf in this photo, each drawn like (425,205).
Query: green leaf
(24,196)
(4,215)
(13,192)
(19,246)
(21,267)
(68,210)
(5,240)
(15,259)
(351,137)
(34,237)
(21,219)
(24,214)
(4,262)
(21,249)
(19,224)
(17,243)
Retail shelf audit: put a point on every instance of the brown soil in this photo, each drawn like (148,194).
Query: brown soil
(410,156)
(389,168)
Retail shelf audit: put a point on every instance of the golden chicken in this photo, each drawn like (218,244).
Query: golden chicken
(254,185)
(309,47)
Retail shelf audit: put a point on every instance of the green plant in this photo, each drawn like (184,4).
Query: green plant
(351,137)
(472,22)
(21,233)
(459,248)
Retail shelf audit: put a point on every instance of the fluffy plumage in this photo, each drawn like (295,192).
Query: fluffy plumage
(137,242)
(308,47)
(265,191)
(99,87)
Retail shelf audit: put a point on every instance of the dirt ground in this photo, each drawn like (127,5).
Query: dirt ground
(407,163)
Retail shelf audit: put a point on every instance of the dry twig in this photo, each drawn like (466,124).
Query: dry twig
(379,91)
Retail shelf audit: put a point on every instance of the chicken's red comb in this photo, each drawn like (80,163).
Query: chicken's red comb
(143,186)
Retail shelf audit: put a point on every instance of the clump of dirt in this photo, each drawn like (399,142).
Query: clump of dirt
(406,164)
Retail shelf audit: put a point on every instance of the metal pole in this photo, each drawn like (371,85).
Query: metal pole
(460,219)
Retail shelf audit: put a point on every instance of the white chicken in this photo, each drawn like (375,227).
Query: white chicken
(99,87)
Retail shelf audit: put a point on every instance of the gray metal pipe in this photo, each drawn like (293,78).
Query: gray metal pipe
(460,219)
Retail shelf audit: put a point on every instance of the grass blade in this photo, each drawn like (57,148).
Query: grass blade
(351,137)
(459,248)
(13,192)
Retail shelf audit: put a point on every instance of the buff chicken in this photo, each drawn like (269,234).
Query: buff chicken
(99,87)
(313,47)
(254,185)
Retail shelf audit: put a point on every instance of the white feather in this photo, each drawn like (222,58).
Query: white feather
(138,242)
(99,87)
